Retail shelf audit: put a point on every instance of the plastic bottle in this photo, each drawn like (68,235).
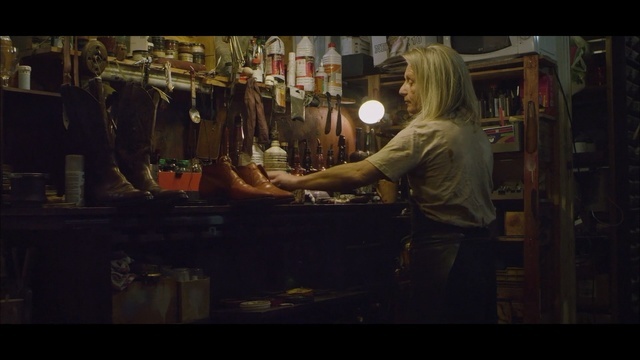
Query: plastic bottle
(275,158)
(321,80)
(332,61)
(257,155)
(305,64)
(274,64)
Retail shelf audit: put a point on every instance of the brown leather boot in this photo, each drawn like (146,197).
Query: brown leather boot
(221,184)
(135,115)
(256,176)
(90,135)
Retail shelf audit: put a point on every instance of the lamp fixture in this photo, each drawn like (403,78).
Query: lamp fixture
(371,112)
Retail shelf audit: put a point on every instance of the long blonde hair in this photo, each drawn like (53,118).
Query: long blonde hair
(447,90)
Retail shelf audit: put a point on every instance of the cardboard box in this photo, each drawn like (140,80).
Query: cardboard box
(350,45)
(187,181)
(379,49)
(505,138)
(146,303)
(194,300)
(383,47)
(11,311)
(514,223)
(357,65)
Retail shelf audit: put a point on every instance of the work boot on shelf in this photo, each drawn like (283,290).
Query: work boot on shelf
(221,184)
(256,176)
(90,134)
(135,116)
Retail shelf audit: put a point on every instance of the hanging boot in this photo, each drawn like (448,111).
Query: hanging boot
(89,132)
(221,184)
(135,116)
(256,176)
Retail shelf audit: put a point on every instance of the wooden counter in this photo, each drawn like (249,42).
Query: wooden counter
(346,250)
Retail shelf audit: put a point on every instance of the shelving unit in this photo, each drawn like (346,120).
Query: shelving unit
(603,114)
(534,258)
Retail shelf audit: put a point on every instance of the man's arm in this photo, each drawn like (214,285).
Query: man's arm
(341,177)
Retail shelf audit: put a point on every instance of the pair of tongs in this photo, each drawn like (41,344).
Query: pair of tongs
(327,126)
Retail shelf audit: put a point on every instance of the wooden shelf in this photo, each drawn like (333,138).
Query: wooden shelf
(30,92)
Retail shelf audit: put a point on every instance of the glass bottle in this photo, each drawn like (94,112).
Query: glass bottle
(307,162)
(319,161)
(297,168)
(342,150)
(358,154)
(330,159)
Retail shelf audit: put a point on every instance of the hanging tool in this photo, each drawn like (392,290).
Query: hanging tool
(339,121)
(327,126)
(194,114)
(167,76)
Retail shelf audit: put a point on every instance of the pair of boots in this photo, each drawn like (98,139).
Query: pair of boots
(117,168)
(224,183)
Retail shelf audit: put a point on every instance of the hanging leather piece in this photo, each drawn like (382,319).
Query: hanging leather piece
(255,117)
(135,116)
(89,133)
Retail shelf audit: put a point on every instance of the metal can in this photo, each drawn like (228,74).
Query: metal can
(198,58)
(185,56)
(197,48)
(184,47)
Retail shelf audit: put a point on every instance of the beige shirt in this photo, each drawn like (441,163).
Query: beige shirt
(449,169)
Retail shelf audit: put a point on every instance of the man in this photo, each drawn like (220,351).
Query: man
(448,162)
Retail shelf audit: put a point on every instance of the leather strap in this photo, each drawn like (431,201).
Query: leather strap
(66,60)
(76,75)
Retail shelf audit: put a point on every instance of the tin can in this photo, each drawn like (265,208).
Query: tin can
(197,48)
(170,44)
(184,47)
(198,58)
(185,56)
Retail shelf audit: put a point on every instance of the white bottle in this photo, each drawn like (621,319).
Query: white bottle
(274,64)
(257,155)
(275,158)
(332,61)
(305,63)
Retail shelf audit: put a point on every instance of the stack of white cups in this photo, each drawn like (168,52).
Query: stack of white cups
(74,179)
(291,70)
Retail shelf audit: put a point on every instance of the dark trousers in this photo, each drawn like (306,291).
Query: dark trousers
(449,281)
(449,276)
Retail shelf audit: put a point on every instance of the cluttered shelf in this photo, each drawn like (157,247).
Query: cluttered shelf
(287,308)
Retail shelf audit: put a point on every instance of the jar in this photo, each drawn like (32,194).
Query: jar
(24,77)
(140,54)
(184,47)
(197,48)
(158,53)
(158,42)
(185,56)
(170,49)
(198,58)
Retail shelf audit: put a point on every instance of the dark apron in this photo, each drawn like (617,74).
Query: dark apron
(448,272)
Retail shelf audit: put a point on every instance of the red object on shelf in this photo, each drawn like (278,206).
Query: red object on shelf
(187,181)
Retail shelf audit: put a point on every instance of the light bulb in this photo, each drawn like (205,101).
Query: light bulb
(371,112)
